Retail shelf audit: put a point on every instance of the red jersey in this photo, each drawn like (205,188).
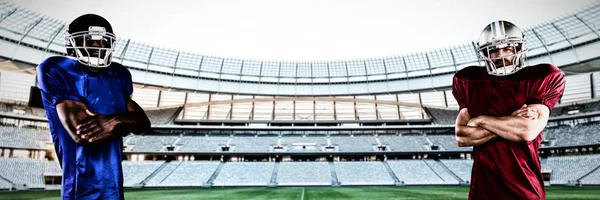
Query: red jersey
(503,169)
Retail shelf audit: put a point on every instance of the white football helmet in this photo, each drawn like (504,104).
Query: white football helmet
(498,35)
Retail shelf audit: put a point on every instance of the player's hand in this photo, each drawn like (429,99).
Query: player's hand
(526,112)
(96,127)
(103,138)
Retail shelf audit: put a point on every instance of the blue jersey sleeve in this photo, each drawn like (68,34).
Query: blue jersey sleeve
(128,82)
(53,81)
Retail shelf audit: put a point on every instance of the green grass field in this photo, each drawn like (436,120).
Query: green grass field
(371,193)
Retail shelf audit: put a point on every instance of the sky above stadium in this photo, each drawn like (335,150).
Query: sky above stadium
(305,29)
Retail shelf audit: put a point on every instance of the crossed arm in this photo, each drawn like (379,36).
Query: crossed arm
(86,127)
(470,135)
(523,125)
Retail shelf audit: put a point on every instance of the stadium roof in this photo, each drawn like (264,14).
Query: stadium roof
(577,28)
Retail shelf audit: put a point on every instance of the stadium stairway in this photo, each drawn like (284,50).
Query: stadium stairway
(397,181)
(143,183)
(587,174)
(334,179)
(273,182)
(170,172)
(212,178)
(433,170)
(6,180)
(174,144)
(460,181)
(429,143)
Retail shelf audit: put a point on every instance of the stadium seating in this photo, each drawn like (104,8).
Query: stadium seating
(362,173)
(416,172)
(52,168)
(442,171)
(136,172)
(442,116)
(303,173)
(544,163)
(161,175)
(253,144)
(460,167)
(22,110)
(149,143)
(564,169)
(310,144)
(402,143)
(5,185)
(354,144)
(191,173)
(447,142)
(581,134)
(245,174)
(25,138)
(591,179)
(23,172)
(581,107)
(201,143)
(561,136)
(448,116)
(571,168)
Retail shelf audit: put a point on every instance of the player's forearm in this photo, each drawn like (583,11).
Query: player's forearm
(512,128)
(473,142)
(71,114)
(132,122)
(472,136)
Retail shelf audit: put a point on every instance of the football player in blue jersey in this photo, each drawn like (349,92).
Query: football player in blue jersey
(89,109)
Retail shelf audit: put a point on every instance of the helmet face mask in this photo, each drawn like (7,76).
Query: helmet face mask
(90,40)
(502,36)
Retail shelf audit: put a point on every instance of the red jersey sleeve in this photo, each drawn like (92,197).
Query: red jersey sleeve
(549,90)
(459,92)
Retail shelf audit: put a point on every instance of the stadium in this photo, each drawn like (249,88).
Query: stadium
(225,128)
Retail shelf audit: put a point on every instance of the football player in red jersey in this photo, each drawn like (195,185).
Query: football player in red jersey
(503,109)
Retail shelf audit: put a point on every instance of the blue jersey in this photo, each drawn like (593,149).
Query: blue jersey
(89,172)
